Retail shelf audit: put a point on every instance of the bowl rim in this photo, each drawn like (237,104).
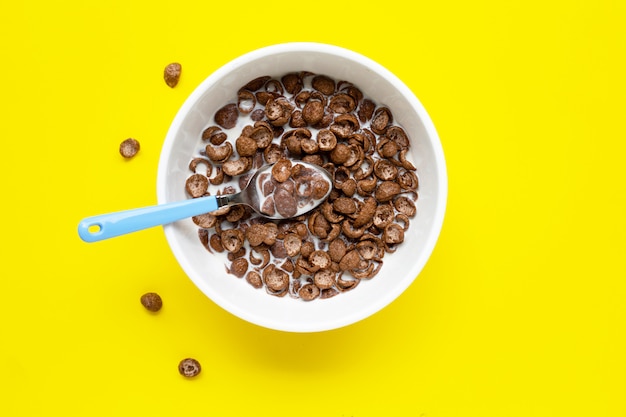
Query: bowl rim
(402,88)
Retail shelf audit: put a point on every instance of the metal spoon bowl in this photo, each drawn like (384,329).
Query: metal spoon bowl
(105,226)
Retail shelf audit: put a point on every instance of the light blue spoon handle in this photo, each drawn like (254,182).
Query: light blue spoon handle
(105,226)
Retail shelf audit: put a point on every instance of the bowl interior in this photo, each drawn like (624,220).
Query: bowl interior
(399,269)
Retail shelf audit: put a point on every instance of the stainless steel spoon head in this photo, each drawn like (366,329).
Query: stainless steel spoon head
(283,190)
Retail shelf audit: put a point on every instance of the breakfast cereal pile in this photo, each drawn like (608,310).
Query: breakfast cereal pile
(318,120)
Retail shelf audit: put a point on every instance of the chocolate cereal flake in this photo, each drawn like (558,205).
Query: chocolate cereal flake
(227,116)
(171,74)
(309,292)
(151,301)
(189,367)
(129,148)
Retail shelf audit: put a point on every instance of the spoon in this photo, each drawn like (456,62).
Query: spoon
(105,226)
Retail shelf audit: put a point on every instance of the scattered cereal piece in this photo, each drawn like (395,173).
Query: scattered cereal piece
(189,367)
(129,148)
(151,301)
(171,74)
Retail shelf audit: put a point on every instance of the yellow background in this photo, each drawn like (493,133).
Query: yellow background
(520,311)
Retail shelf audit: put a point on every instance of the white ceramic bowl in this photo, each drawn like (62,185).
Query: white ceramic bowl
(399,269)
